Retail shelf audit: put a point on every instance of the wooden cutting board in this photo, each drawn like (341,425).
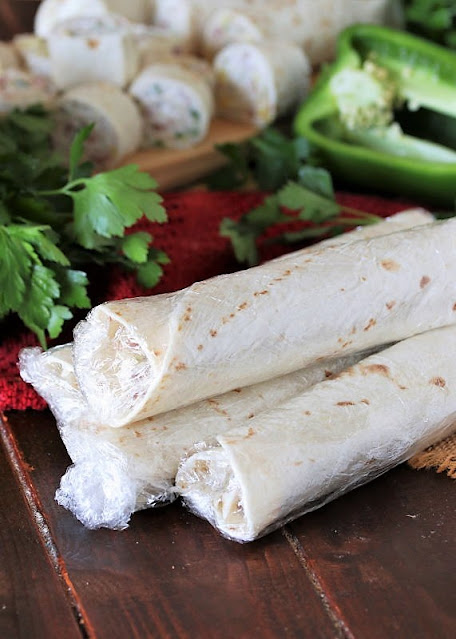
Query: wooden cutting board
(174,168)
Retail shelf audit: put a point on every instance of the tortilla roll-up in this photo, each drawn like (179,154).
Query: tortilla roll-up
(142,458)
(179,17)
(34,53)
(116,118)
(176,104)
(93,48)
(117,471)
(20,89)
(339,434)
(256,83)
(51,12)
(139,357)
(9,58)
(225,26)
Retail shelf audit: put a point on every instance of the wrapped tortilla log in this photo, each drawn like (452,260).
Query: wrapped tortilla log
(118,123)
(256,83)
(225,26)
(176,103)
(19,89)
(117,471)
(91,49)
(140,357)
(34,53)
(9,58)
(154,44)
(51,12)
(341,433)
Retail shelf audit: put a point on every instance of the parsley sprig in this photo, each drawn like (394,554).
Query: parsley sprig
(303,193)
(55,220)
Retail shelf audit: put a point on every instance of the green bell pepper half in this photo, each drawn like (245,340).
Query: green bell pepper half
(421,164)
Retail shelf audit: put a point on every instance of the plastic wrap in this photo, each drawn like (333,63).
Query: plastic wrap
(176,103)
(258,82)
(136,358)
(20,89)
(91,49)
(337,435)
(117,120)
(117,471)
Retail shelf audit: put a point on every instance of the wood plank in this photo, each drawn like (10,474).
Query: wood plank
(170,574)
(175,168)
(33,602)
(384,554)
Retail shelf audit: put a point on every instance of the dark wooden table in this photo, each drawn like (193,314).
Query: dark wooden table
(377,563)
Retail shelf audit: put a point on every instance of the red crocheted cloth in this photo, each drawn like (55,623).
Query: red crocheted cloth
(191,240)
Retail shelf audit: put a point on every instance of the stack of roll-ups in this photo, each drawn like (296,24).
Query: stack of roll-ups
(290,364)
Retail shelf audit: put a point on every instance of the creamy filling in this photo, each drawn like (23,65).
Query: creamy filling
(100,147)
(174,114)
(209,486)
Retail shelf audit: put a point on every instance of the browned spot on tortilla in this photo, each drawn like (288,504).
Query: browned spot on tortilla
(401,387)
(298,463)
(242,306)
(365,401)
(277,279)
(438,381)
(287,272)
(372,322)
(180,327)
(353,331)
(328,374)
(250,433)
(92,43)
(345,403)
(237,390)
(307,412)
(258,293)
(232,315)
(157,352)
(390,265)
(251,415)
(379,369)
(180,366)
(454,306)
(200,347)
(212,332)
(138,434)
(342,290)
(363,279)
(389,305)
(424,281)
(347,343)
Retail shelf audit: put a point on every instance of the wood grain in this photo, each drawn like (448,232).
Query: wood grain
(384,555)
(170,574)
(175,168)
(33,603)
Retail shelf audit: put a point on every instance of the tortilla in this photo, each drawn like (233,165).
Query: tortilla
(117,471)
(139,357)
(340,433)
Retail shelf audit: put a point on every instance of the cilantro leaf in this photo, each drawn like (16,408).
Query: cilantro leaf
(36,307)
(136,246)
(57,317)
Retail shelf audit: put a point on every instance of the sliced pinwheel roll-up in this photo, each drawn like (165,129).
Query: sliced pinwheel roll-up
(154,43)
(118,471)
(225,26)
(176,104)
(51,12)
(256,83)
(116,118)
(90,49)
(139,357)
(34,53)
(179,17)
(9,58)
(20,89)
(335,436)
